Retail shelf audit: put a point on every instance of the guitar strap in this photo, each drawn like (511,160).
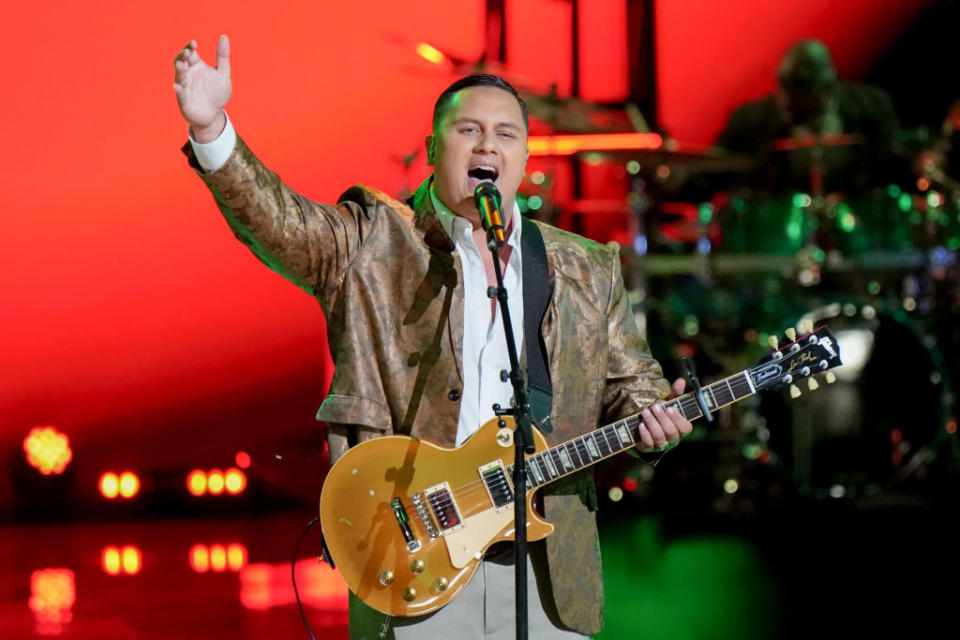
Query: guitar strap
(537,292)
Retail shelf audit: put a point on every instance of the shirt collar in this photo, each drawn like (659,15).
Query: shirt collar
(448,217)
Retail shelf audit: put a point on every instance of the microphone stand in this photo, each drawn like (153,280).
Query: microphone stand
(522,438)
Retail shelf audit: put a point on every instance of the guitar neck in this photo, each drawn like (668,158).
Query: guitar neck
(586,450)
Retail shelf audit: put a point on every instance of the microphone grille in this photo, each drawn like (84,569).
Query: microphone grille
(487,189)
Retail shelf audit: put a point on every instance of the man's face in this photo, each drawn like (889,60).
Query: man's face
(480,138)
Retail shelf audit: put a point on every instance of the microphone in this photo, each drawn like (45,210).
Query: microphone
(487,198)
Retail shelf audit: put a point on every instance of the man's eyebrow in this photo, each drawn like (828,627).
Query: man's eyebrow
(505,124)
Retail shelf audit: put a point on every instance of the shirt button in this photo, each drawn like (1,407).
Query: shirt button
(454,394)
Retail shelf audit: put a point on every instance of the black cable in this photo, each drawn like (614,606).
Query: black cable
(293,575)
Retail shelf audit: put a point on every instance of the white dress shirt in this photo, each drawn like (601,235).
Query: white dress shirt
(484,345)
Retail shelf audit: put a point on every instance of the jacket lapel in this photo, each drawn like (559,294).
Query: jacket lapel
(438,241)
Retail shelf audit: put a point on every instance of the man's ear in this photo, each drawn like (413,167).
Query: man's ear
(431,145)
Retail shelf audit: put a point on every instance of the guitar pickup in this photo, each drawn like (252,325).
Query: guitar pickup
(443,507)
(403,521)
(497,484)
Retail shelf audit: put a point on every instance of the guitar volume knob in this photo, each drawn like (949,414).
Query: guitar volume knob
(417,566)
(441,584)
(409,594)
(386,578)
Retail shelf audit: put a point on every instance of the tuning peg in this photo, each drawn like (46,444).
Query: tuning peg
(773,342)
(791,334)
(806,326)
(794,391)
(812,384)
(830,378)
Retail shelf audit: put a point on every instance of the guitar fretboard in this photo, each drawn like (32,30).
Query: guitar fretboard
(571,456)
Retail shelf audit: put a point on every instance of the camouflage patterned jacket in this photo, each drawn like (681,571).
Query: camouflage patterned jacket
(387,277)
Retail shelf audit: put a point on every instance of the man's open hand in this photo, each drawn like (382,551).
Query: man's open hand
(202,91)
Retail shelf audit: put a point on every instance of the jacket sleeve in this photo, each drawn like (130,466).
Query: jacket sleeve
(310,244)
(634,379)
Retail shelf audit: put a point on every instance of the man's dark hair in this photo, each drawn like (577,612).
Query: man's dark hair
(476,80)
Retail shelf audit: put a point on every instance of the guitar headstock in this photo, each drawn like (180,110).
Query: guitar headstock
(801,358)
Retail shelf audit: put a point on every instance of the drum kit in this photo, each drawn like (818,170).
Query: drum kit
(715,261)
(717,257)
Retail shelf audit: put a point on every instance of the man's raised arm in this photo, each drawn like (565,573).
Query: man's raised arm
(310,244)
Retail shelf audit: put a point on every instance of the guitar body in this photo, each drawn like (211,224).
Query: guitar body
(408,522)
(457,520)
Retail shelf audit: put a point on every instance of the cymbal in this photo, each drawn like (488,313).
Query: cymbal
(573,115)
(808,141)
(689,159)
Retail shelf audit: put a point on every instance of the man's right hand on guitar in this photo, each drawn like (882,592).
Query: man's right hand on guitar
(202,90)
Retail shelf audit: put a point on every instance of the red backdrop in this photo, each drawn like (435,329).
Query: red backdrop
(132,319)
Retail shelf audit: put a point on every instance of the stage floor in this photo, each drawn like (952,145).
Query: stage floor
(823,569)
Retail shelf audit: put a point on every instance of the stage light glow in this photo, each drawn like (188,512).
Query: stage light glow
(216,483)
(131,559)
(218,557)
(268,585)
(109,485)
(236,556)
(430,53)
(48,450)
(242,459)
(630,484)
(127,559)
(52,595)
(129,484)
(565,145)
(731,486)
(235,481)
(199,558)
(951,427)
(197,482)
(110,561)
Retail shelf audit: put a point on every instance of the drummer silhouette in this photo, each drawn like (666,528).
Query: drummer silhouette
(815,133)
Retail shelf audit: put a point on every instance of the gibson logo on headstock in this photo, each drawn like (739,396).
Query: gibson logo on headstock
(827,344)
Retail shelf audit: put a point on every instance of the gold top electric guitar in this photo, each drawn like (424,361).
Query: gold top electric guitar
(407,522)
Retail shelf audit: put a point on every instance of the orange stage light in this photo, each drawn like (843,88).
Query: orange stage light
(48,450)
(430,53)
(114,560)
(197,482)
(218,557)
(110,560)
(268,585)
(131,559)
(565,145)
(129,484)
(216,483)
(199,558)
(236,556)
(52,594)
(235,481)
(109,485)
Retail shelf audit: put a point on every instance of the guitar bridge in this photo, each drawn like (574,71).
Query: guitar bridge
(444,507)
(424,514)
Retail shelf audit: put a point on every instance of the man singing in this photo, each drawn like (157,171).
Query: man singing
(417,344)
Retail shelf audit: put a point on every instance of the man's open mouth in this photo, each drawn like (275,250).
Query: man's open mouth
(484,173)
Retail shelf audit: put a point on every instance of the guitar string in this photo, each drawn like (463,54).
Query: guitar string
(468,489)
(688,405)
